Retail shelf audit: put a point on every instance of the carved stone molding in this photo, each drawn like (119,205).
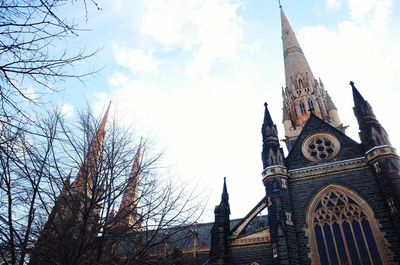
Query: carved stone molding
(380,151)
(327,169)
(274,171)
(261,237)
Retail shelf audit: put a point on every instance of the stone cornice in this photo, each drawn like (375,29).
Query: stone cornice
(195,249)
(327,169)
(274,171)
(380,151)
(261,237)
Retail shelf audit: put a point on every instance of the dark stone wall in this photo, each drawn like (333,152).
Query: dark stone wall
(262,254)
(363,182)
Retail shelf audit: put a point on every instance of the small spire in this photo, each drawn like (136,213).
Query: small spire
(362,108)
(285,114)
(267,116)
(225,196)
(329,102)
(358,99)
(320,82)
(279,1)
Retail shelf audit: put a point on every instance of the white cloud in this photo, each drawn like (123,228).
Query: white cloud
(209,30)
(333,4)
(373,12)
(137,60)
(361,50)
(203,124)
(207,118)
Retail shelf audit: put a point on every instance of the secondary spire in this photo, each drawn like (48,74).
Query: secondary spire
(87,171)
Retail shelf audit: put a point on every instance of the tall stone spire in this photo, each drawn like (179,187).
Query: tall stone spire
(78,204)
(86,176)
(294,59)
(303,93)
(127,213)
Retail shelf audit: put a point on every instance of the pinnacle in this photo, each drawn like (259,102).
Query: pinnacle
(357,97)
(267,116)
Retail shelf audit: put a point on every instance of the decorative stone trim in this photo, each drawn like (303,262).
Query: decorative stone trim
(274,171)
(288,217)
(380,151)
(376,167)
(284,183)
(197,249)
(261,237)
(327,169)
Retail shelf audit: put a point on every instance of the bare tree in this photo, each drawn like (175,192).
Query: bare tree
(119,208)
(31,60)
(44,218)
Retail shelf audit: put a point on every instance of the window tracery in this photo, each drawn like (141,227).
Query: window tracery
(321,147)
(343,230)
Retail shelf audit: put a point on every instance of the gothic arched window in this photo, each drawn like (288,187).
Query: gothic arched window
(303,109)
(311,104)
(343,230)
(301,85)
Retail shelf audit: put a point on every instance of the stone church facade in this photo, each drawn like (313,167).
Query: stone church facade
(331,200)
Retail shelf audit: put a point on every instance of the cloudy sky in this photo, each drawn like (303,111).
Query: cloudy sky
(192,75)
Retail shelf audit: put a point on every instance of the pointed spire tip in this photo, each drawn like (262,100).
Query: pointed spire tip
(267,116)
(225,196)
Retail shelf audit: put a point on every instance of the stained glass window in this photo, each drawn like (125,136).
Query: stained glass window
(342,232)
(303,109)
(310,104)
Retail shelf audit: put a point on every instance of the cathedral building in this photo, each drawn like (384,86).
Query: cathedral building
(330,200)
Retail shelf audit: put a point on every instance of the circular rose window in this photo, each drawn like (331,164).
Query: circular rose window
(320,147)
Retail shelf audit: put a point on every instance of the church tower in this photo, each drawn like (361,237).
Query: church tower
(331,200)
(73,221)
(341,197)
(303,93)
(275,177)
